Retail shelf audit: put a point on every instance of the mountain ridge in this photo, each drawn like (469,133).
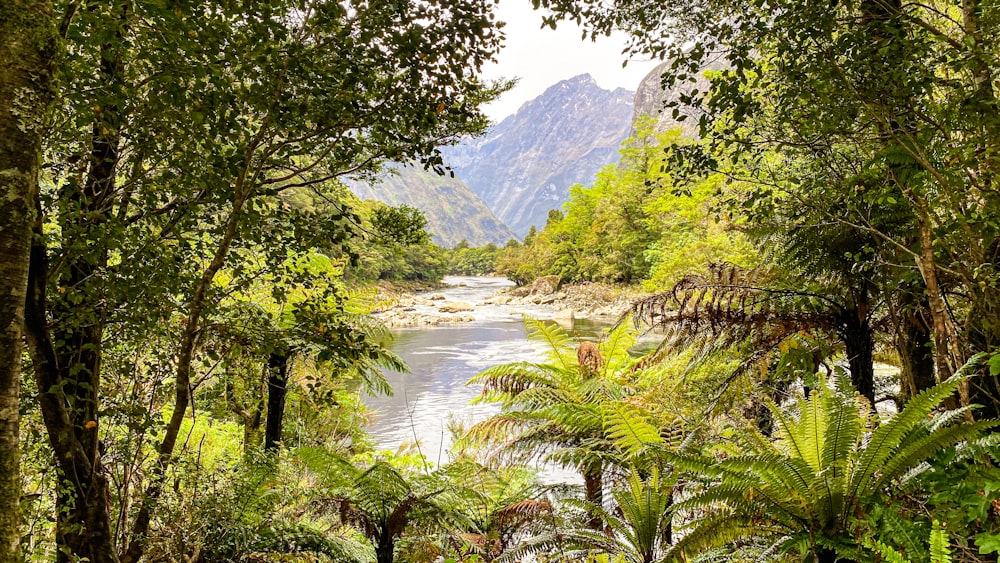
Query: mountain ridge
(453,212)
(524,166)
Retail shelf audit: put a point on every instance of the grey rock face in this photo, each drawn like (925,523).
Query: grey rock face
(525,165)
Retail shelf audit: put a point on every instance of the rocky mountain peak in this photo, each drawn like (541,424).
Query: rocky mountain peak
(524,166)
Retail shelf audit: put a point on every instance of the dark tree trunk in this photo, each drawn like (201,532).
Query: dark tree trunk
(859,344)
(277,390)
(83,526)
(66,353)
(593,490)
(28,47)
(825,555)
(668,529)
(916,353)
(385,549)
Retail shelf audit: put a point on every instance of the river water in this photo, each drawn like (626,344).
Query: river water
(427,401)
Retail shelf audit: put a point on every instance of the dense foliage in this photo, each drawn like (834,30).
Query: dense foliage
(187,289)
(192,239)
(634,225)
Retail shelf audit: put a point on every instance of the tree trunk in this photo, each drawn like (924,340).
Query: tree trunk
(859,343)
(942,325)
(65,335)
(914,344)
(593,488)
(186,351)
(277,390)
(28,47)
(83,526)
(668,528)
(385,549)
(825,555)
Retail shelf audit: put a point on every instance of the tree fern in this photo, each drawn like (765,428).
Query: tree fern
(569,409)
(380,501)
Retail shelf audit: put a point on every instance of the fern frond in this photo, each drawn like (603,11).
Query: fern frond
(710,531)
(887,437)
(628,431)
(282,539)
(559,349)
(889,555)
(615,348)
(694,464)
(940,553)
(915,451)
(986,445)
(793,434)
(779,471)
(843,431)
(332,469)
(503,382)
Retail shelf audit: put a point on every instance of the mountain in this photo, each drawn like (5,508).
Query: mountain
(651,98)
(524,166)
(454,213)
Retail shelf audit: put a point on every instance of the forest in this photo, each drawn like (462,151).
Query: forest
(188,287)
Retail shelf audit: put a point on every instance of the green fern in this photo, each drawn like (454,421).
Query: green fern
(628,431)
(820,469)
(940,552)
(571,409)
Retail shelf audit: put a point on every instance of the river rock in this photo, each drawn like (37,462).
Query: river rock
(546,285)
(436,297)
(456,307)
(564,315)
(520,291)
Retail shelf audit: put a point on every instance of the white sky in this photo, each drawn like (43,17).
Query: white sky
(542,57)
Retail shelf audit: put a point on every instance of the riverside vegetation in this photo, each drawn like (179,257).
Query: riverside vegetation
(187,289)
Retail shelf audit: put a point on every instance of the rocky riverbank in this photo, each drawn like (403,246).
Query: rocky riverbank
(547,297)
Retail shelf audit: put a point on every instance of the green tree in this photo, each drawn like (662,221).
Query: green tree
(865,103)
(315,321)
(181,130)
(29,47)
(825,467)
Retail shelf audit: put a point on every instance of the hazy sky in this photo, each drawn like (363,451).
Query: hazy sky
(542,57)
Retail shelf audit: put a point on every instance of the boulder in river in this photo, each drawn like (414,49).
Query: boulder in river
(546,285)
(564,315)
(456,307)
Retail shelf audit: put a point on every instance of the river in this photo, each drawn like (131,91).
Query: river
(442,359)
